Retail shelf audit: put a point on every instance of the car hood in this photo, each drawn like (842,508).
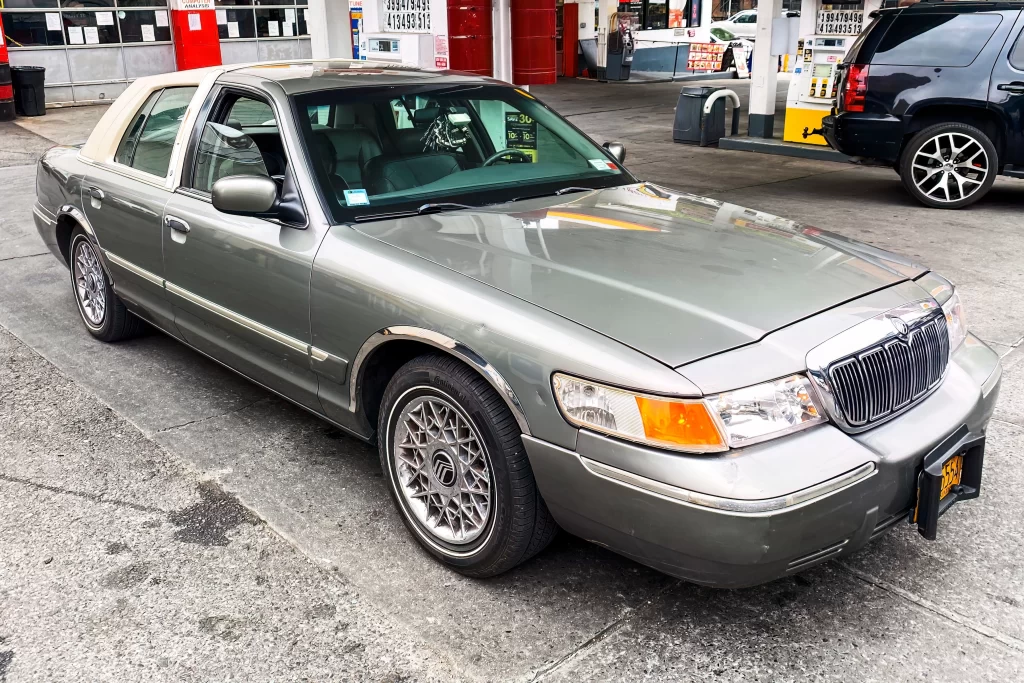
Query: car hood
(675,276)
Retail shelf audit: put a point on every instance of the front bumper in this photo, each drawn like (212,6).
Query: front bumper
(636,500)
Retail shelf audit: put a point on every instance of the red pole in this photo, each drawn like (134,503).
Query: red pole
(196,39)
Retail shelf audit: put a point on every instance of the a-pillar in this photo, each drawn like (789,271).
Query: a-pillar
(330,29)
(196,39)
(763,72)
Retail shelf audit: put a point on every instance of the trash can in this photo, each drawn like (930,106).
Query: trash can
(691,125)
(29,94)
(6,93)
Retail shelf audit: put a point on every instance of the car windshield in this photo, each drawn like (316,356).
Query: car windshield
(386,150)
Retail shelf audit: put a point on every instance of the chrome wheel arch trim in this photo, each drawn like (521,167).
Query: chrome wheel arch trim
(445,343)
(78,216)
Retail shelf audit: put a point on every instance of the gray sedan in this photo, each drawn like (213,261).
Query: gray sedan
(534,339)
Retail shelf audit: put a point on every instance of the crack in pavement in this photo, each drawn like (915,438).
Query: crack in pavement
(93,497)
(581,650)
(200,420)
(957,618)
(13,258)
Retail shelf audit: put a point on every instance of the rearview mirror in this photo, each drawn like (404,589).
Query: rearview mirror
(244,195)
(617,150)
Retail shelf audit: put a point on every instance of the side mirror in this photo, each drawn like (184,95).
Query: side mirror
(245,195)
(617,150)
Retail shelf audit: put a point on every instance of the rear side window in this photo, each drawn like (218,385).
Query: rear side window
(1017,54)
(935,39)
(158,123)
(126,149)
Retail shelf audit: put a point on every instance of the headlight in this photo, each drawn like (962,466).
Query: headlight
(677,424)
(716,423)
(956,323)
(767,410)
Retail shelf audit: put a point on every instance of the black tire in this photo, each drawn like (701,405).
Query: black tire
(519,525)
(116,322)
(924,137)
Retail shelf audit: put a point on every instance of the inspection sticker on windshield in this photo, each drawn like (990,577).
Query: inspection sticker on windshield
(356,198)
(602,165)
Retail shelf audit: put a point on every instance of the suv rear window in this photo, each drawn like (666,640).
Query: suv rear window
(935,39)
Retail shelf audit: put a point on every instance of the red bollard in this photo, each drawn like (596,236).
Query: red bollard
(6,89)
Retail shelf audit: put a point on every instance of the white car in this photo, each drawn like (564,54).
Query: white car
(744,24)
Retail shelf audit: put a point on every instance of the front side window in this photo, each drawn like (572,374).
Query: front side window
(472,144)
(156,141)
(242,140)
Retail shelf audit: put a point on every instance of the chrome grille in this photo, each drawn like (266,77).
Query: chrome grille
(882,380)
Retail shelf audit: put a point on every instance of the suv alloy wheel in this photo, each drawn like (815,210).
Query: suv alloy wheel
(949,165)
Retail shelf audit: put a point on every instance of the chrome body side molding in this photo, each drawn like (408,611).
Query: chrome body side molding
(228,314)
(436,339)
(132,268)
(731,505)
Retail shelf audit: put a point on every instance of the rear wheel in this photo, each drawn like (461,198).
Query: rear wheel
(949,165)
(103,313)
(456,467)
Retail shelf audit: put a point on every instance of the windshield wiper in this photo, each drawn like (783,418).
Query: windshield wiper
(435,207)
(556,193)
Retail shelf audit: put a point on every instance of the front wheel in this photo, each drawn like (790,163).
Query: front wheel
(949,165)
(456,467)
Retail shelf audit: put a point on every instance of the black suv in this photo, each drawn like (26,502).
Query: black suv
(936,90)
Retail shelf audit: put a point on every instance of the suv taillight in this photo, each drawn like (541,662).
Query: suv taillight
(855,88)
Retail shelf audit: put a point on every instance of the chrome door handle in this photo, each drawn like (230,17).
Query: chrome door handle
(96,193)
(176,224)
(1016,87)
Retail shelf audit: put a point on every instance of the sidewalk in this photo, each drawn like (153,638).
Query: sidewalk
(23,140)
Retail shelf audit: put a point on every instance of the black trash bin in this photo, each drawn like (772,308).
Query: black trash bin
(6,93)
(691,125)
(29,93)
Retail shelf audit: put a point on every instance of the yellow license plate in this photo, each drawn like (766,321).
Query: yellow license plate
(951,473)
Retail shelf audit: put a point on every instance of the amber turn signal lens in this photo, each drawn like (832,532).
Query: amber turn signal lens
(687,424)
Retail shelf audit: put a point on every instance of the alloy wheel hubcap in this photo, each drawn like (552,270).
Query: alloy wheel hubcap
(443,470)
(89,284)
(950,167)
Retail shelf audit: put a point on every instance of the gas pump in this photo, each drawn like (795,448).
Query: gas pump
(812,90)
(621,45)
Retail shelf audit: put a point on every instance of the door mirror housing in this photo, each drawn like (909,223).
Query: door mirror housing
(245,195)
(617,150)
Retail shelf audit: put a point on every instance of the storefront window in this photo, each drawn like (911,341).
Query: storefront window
(655,14)
(29,4)
(275,23)
(141,26)
(90,28)
(31,29)
(236,23)
(86,4)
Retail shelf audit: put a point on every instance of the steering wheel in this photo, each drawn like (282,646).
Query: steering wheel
(522,156)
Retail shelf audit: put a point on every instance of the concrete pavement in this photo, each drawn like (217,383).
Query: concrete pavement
(199,454)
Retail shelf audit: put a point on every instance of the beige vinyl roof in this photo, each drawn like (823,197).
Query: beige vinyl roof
(102,143)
